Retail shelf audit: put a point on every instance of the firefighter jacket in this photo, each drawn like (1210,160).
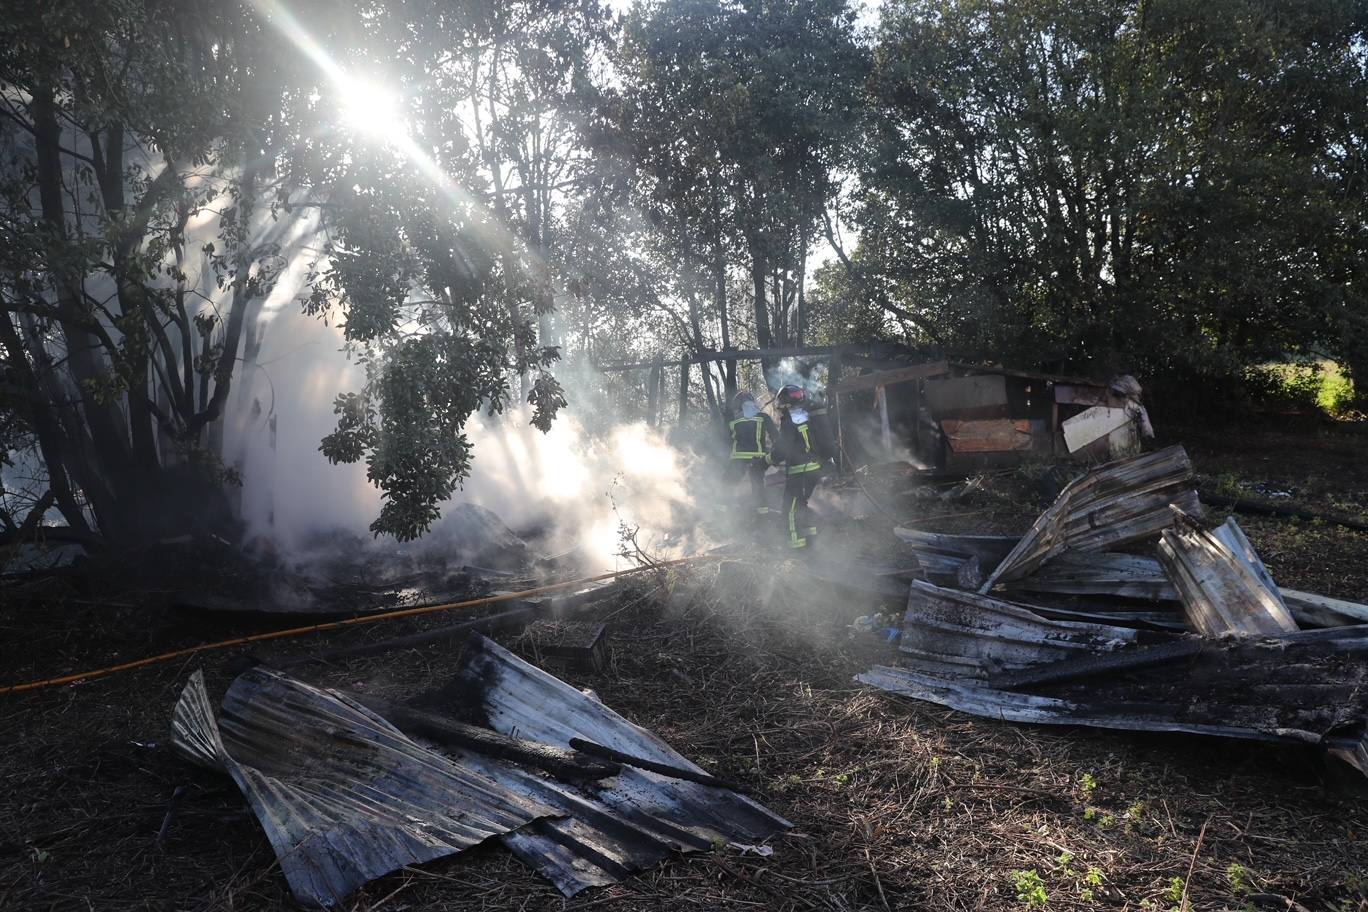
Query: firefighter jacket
(749,437)
(796,447)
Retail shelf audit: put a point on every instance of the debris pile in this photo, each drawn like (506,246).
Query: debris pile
(349,788)
(1058,628)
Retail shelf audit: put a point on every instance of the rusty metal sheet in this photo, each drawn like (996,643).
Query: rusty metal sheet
(999,435)
(1112,505)
(342,795)
(1224,586)
(980,396)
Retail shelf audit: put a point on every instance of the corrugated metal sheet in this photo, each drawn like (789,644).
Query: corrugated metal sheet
(343,796)
(1102,573)
(955,634)
(625,823)
(1120,502)
(1307,688)
(1224,586)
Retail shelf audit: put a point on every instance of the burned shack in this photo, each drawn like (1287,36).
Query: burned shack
(958,417)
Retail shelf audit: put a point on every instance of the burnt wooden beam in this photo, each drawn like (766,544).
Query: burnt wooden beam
(1091,666)
(557,761)
(664,769)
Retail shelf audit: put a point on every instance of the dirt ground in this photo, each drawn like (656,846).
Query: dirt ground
(895,804)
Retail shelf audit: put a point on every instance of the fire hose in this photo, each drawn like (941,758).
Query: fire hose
(339,625)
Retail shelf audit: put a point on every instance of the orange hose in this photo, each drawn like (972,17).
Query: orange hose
(331,625)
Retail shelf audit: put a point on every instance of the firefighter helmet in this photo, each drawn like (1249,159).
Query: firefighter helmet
(791,395)
(740,399)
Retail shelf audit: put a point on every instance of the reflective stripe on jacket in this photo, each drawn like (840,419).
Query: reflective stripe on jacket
(795,448)
(748,437)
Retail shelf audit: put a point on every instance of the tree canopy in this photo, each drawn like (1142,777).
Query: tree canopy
(478,190)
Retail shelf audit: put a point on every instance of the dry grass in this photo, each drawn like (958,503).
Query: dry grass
(895,804)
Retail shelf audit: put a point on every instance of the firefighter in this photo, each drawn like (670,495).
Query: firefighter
(752,434)
(796,448)
(824,436)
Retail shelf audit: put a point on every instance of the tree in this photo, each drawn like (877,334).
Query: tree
(1151,184)
(156,152)
(124,122)
(737,114)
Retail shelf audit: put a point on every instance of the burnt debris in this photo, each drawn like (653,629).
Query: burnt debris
(349,787)
(1193,636)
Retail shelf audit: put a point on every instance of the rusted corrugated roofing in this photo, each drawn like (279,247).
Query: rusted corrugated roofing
(343,796)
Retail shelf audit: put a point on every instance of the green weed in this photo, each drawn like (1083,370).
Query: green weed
(1030,889)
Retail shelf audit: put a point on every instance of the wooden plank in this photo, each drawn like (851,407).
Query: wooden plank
(982,396)
(884,378)
(996,435)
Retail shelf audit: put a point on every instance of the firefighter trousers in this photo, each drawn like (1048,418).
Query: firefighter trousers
(799,519)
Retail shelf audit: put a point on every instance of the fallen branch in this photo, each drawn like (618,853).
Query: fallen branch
(1263,508)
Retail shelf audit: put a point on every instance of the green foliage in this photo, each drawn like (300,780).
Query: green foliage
(1319,385)
(1238,876)
(1030,889)
(1174,893)
(1141,185)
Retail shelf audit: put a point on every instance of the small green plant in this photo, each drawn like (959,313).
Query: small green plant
(948,804)
(1088,783)
(1175,890)
(1090,814)
(1107,822)
(1065,857)
(1238,875)
(842,780)
(1030,889)
(1094,877)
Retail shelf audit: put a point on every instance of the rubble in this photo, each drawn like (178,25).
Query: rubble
(1118,503)
(346,795)
(1055,634)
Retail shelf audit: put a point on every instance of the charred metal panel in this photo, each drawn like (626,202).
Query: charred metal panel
(1100,573)
(342,795)
(980,396)
(1120,502)
(624,823)
(1224,586)
(963,634)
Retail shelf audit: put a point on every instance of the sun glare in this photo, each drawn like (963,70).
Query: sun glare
(370,109)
